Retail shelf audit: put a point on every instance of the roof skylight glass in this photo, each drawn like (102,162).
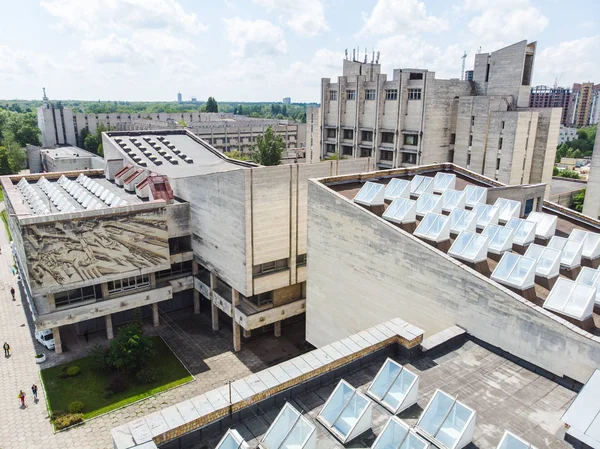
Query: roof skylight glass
(511,441)
(453,199)
(394,387)
(447,421)
(590,240)
(486,215)
(397,188)
(508,209)
(289,430)
(500,238)
(232,440)
(434,227)
(547,260)
(524,231)
(428,202)
(421,184)
(401,211)
(475,195)
(571,251)
(571,299)
(546,224)
(397,435)
(515,271)
(347,412)
(443,181)
(462,220)
(470,247)
(371,194)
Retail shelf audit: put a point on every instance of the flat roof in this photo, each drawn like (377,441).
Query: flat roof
(68,152)
(173,153)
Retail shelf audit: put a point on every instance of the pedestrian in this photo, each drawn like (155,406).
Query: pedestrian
(6,348)
(34,392)
(86,335)
(21,396)
(12,292)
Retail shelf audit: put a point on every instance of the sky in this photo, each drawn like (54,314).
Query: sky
(264,50)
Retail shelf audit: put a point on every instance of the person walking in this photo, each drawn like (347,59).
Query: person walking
(34,392)
(12,293)
(21,396)
(6,348)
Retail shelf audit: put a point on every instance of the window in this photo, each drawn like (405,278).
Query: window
(131,283)
(77,295)
(350,95)
(414,94)
(472,120)
(331,133)
(409,158)
(415,76)
(391,94)
(487,73)
(332,95)
(330,148)
(387,155)
(370,94)
(176,269)
(301,259)
(502,125)
(262,299)
(452,138)
(270,267)
(498,164)
(346,150)
(367,136)
(348,134)
(365,152)
(471,140)
(411,139)
(468,159)
(387,137)
(500,143)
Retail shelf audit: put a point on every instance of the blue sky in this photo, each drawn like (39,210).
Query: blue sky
(263,50)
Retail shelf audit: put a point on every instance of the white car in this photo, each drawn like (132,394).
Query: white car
(46,338)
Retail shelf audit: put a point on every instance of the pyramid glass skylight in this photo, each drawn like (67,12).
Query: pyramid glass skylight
(590,277)
(421,184)
(571,251)
(371,194)
(508,209)
(428,202)
(590,240)
(545,224)
(453,199)
(347,412)
(500,238)
(397,188)
(475,195)
(447,422)
(515,271)
(547,260)
(470,247)
(524,231)
(571,299)
(462,220)
(394,387)
(511,441)
(486,215)
(434,227)
(401,211)
(232,440)
(443,181)
(398,435)
(289,430)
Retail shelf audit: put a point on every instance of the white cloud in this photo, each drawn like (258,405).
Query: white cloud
(253,38)
(572,61)
(114,49)
(323,64)
(92,15)
(395,16)
(305,17)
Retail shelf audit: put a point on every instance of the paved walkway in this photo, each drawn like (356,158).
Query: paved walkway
(207,355)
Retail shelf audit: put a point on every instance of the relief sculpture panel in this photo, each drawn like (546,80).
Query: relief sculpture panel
(68,252)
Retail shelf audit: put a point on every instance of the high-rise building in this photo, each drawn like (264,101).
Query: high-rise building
(551,97)
(179,97)
(484,125)
(584,107)
(468,75)
(287,100)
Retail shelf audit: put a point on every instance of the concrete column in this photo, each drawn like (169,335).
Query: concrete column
(104,288)
(237,341)
(152,277)
(277,326)
(247,333)
(213,308)
(109,327)
(51,303)
(196,292)
(155,318)
(57,341)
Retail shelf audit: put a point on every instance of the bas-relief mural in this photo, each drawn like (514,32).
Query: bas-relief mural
(80,250)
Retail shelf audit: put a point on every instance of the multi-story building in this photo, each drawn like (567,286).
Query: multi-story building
(584,107)
(468,75)
(42,160)
(551,97)
(287,100)
(484,125)
(313,134)
(566,134)
(179,97)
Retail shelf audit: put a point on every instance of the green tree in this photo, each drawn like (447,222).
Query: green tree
(555,171)
(91,143)
(4,162)
(268,148)
(236,154)
(82,135)
(16,159)
(578,201)
(130,350)
(211,105)
(582,134)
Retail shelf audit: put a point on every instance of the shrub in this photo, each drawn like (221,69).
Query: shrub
(63,373)
(98,360)
(73,371)
(67,420)
(130,349)
(75,407)
(117,383)
(56,413)
(146,375)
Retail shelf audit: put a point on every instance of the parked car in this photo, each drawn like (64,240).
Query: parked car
(46,338)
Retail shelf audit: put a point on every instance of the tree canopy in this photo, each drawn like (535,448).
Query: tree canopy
(583,146)
(211,105)
(16,131)
(268,148)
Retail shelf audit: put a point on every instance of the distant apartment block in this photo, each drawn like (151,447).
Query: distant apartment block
(287,100)
(584,107)
(468,75)
(566,134)
(485,125)
(551,97)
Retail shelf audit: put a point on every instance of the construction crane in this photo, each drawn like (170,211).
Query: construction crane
(462,72)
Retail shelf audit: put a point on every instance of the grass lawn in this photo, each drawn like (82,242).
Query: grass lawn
(4,215)
(89,386)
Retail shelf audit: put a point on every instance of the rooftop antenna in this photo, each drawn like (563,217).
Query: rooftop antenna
(365,55)
(377,60)
(462,72)
(479,51)
(354,55)
(346,53)
(373,57)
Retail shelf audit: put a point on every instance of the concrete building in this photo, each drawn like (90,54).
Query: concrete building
(566,134)
(551,97)
(485,125)
(287,100)
(365,268)
(179,97)
(313,133)
(584,107)
(43,160)
(591,204)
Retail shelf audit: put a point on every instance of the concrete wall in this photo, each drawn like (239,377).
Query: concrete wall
(591,204)
(363,269)
(544,150)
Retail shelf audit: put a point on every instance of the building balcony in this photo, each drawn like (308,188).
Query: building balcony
(183,256)
(256,320)
(202,287)
(271,281)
